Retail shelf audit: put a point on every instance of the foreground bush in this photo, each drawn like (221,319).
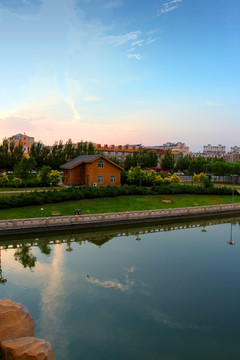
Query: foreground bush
(86,192)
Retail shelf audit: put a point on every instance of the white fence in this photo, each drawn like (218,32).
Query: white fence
(59,221)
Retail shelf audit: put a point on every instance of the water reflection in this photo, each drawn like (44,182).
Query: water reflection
(164,297)
(23,246)
(124,286)
(24,256)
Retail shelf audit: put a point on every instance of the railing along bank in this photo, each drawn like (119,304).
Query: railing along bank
(48,222)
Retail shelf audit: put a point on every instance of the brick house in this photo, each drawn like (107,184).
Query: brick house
(92,170)
(25,140)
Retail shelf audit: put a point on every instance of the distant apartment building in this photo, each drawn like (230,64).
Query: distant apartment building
(177,149)
(213,150)
(23,139)
(233,155)
(121,151)
(235,149)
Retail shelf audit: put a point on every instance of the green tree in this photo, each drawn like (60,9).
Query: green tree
(182,163)
(24,168)
(151,177)
(54,177)
(4,181)
(198,165)
(115,160)
(40,154)
(81,148)
(167,162)
(17,182)
(69,150)
(44,175)
(174,178)
(56,156)
(136,175)
(91,149)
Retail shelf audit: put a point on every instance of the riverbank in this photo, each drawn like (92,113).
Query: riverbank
(46,224)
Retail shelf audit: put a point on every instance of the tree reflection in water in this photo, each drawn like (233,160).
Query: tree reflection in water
(99,238)
(24,256)
(44,247)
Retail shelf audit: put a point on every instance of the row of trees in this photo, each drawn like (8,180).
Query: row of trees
(196,165)
(59,153)
(142,158)
(23,171)
(54,156)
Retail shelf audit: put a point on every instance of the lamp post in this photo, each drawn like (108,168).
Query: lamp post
(231,242)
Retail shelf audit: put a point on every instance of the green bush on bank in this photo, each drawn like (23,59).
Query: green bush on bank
(86,192)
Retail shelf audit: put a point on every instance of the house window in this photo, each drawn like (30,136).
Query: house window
(112,179)
(100,179)
(100,163)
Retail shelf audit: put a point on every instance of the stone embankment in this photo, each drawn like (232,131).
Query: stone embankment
(97,220)
(17,341)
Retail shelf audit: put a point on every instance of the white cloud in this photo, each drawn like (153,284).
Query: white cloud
(134,56)
(213,103)
(169,6)
(165,319)
(92,98)
(117,40)
(138,43)
(113,4)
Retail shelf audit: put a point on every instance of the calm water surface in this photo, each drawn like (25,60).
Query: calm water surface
(160,292)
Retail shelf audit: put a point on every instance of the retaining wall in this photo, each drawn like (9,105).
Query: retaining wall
(96,220)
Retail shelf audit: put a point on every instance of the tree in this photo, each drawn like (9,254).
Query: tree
(24,168)
(174,178)
(182,163)
(40,154)
(115,160)
(91,149)
(131,160)
(136,175)
(15,155)
(17,182)
(69,150)
(167,162)
(54,177)
(151,177)
(57,156)
(44,175)
(197,165)
(4,181)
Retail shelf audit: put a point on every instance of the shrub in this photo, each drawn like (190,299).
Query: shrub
(17,182)
(4,181)
(174,178)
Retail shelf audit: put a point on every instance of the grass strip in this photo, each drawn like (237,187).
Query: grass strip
(117,204)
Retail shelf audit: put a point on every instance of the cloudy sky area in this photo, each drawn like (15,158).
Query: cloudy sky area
(121,71)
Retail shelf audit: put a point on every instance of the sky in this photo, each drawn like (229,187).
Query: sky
(121,71)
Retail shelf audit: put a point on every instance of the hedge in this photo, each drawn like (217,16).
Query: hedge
(86,192)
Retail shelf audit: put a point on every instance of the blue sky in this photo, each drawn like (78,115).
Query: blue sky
(121,71)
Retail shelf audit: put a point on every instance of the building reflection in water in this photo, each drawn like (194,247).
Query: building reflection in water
(23,245)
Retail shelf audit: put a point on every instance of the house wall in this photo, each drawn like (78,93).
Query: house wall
(93,171)
(88,174)
(78,175)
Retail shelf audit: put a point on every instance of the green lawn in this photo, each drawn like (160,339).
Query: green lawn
(118,204)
